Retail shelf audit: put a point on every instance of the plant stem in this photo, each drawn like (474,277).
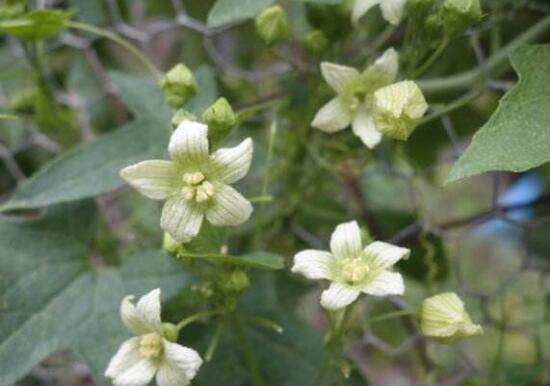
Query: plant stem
(248,353)
(391,315)
(456,104)
(199,315)
(117,39)
(433,57)
(492,65)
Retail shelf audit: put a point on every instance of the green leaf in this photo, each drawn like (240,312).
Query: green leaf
(93,168)
(53,298)
(517,137)
(263,260)
(36,25)
(231,11)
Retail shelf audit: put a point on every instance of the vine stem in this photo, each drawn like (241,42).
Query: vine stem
(493,64)
(456,104)
(199,315)
(117,39)
(433,57)
(249,357)
(391,315)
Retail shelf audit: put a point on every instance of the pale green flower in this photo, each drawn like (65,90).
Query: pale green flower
(272,24)
(444,318)
(351,268)
(354,101)
(392,10)
(152,351)
(398,109)
(194,184)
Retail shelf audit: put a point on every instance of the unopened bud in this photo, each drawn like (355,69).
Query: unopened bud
(180,116)
(458,15)
(219,117)
(170,332)
(398,109)
(444,318)
(169,245)
(316,41)
(272,24)
(178,85)
(238,281)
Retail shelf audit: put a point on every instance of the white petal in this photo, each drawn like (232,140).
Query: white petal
(228,207)
(231,164)
(384,255)
(338,76)
(131,317)
(155,179)
(364,127)
(345,241)
(189,143)
(332,117)
(139,374)
(386,283)
(148,309)
(393,10)
(181,219)
(127,356)
(361,7)
(389,63)
(338,296)
(313,264)
(179,367)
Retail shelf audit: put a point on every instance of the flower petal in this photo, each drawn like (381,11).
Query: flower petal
(228,165)
(384,70)
(148,309)
(131,317)
(333,116)
(384,255)
(189,143)
(393,10)
(228,207)
(313,264)
(361,7)
(364,127)
(127,356)
(181,219)
(179,367)
(346,240)
(156,179)
(385,283)
(338,76)
(338,296)
(140,374)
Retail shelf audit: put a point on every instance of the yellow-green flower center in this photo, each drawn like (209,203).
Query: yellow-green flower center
(196,187)
(354,270)
(150,345)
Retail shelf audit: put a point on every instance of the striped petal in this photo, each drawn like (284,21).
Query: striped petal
(179,367)
(338,296)
(313,264)
(345,241)
(228,207)
(385,283)
(189,144)
(364,127)
(181,219)
(155,179)
(228,165)
(338,76)
(384,255)
(333,116)
(127,356)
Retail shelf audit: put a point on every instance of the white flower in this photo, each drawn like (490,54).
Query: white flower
(352,268)
(353,103)
(150,352)
(392,10)
(194,183)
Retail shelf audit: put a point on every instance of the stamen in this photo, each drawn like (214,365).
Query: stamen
(150,345)
(354,270)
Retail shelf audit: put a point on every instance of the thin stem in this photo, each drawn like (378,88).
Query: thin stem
(199,315)
(456,104)
(265,323)
(391,315)
(117,39)
(492,65)
(431,60)
(249,357)
(213,343)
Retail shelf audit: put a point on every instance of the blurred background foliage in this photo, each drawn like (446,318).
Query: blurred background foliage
(89,108)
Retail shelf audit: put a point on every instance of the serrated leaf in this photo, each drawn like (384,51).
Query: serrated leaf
(231,11)
(517,137)
(36,25)
(54,299)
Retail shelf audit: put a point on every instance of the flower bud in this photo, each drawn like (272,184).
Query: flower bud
(444,318)
(170,332)
(238,281)
(169,245)
(397,109)
(178,85)
(316,41)
(180,116)
(458,15)
(219,117)
(272,25)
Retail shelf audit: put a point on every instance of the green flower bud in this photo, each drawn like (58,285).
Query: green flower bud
(178,85)
(169,245)
(444,318)
(272,24)
(397,109)
(316,41)
(238,281)
(180,116)
(458,15)
(170,332)
(219,117)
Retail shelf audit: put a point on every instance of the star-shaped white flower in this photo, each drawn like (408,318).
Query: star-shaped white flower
(354,101)
(150,353)
(392,10)
(352,268)
(194,184)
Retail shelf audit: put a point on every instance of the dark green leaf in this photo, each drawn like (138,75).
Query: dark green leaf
(231,11)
